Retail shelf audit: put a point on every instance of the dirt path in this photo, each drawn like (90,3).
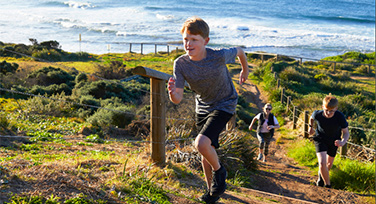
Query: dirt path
(281,179)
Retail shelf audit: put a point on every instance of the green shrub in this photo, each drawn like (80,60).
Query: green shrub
(114,115)
(50,75)
(6,67)
(47,55)
(81,78)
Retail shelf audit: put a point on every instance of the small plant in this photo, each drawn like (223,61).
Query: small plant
(94,138)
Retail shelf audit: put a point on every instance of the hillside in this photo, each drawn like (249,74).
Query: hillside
(84,135)
(280,180)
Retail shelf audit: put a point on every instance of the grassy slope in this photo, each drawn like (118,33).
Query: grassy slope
(112,170)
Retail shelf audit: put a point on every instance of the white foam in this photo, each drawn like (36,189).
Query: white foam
(79,5)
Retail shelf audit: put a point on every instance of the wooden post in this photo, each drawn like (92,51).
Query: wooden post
(262,58)
(294,118)
(288,104)
(157,111)
(305,127)
(275,75)
(168,50)
(369,69)
(343,150)
(278,83)
(130,47)
(155,48)
(158,120)
(177,50)
(282,94)
(142,47)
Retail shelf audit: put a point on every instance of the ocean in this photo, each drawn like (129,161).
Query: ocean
(304,28)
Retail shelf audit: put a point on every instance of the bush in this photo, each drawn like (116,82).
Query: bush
(47,55)
(81,78)
(119,116)
(50,75)
(6,67)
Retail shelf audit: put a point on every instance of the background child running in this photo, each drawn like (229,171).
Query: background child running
(216,98)
(331,124)
(267,123)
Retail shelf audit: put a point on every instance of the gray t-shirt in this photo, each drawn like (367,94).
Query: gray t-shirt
(209,79)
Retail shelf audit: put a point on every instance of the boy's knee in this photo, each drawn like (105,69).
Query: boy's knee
(202,142)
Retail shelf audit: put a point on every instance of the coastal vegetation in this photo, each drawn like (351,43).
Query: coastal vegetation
(76,109)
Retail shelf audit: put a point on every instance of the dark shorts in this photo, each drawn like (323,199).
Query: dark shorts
(326,146)
(212,124)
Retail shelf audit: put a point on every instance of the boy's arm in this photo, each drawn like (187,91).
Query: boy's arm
(251,125)
(175,94)
(345,137)
(310,124)
(243,61)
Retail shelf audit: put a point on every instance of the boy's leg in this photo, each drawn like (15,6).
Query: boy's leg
(203,145)
(323,167)
(206,142)
(260,137)
(267,142)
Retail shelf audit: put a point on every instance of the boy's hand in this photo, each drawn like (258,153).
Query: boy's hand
(171,86)
(243,76)
(311,130)
(339,143)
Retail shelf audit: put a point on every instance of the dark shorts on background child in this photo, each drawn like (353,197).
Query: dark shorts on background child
(212,124)
(326,146)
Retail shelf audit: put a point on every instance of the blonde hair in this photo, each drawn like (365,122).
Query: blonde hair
(330,101)
(196,26)
(268,104)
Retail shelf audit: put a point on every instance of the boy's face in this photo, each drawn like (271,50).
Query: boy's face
(194,45)
(329,112)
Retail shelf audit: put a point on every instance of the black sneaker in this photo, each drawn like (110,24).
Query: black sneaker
(207,198)
(328,186)
(219,182)
(320,181)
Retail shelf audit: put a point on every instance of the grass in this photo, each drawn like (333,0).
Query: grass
(346,174)
(116,171)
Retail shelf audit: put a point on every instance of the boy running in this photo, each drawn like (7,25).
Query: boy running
(216,98)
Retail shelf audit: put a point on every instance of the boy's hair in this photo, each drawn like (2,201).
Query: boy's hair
(330,101)
(268,104)
(196,26)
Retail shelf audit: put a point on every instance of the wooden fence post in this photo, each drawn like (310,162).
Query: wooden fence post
(278,83)
(282,94)
(295,118)
(158,120)
(343,150)
(305,126)
(288,104)
(142,47)
(130,47)
(155,48)
(157,111)
(168,50)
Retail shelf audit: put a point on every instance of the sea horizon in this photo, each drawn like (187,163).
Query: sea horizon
(299,28)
